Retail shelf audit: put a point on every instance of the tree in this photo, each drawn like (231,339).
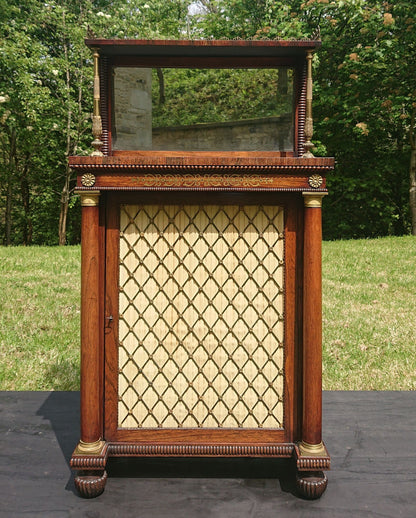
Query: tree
(364,100)
(45,116)
(366,75)
(63,28)
(24,113)
(45,100)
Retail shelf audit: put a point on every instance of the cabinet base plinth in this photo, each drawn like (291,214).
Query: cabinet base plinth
(91,476)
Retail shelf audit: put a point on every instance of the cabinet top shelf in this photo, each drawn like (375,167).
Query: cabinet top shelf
(196,48)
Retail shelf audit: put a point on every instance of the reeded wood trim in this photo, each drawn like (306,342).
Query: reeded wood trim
(301,107)
(88,462)
(199,161)
(91,485)
(202,450)
(311,462)
(104,77)
(304,42)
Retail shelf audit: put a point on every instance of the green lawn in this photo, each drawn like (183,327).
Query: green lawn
(369,316)
(39,318)
(369,296)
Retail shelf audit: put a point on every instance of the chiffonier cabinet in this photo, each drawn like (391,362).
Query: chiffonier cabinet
(201,257)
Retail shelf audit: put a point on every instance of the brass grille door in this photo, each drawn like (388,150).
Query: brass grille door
(201,324)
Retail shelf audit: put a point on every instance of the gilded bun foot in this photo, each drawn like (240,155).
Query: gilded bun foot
(311,484)
(90,484)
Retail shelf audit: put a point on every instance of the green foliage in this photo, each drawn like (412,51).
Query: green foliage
(248,19)
(44,116)
(140,19)
(218,95)
(364,98)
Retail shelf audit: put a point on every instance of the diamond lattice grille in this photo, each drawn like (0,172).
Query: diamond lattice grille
(201,316)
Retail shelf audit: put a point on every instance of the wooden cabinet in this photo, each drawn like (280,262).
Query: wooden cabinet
(201,257)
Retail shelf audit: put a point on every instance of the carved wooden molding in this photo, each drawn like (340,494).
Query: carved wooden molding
(311,485)
(193,168)
(198,180)
(310,462)
(91,486)
(92,461)
(196,172)
(113,180)
(313,463)
(201,450)
(88,462)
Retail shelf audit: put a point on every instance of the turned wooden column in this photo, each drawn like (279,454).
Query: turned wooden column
(312,326)
(91,422)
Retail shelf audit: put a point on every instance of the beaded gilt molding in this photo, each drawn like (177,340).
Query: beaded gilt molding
(201,316)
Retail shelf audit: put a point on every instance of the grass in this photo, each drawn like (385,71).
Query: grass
(369,306)
(39,318)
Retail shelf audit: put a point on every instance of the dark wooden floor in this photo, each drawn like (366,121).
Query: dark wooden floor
(371,437)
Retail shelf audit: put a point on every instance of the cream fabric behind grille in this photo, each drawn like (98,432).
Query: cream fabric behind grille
(201,316)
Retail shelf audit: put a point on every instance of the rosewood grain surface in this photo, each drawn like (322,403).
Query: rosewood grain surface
(91,319)
(234,160)
(312,327)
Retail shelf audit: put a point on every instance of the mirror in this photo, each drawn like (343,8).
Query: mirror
(189,109)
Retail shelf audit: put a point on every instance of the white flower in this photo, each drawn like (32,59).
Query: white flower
(5,116)
(29,128)
(4,98)
(146,6)
(55,72)
(100,14)
(108,15)
(54,126)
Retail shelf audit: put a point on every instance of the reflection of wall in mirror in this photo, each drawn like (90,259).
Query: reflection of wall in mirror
(132,108)
(265,134)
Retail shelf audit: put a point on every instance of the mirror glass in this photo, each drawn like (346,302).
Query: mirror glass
(189,109)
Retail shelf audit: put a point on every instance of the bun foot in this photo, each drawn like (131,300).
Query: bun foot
(90,484)
(311,484)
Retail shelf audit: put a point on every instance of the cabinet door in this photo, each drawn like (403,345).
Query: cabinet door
(201,346)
